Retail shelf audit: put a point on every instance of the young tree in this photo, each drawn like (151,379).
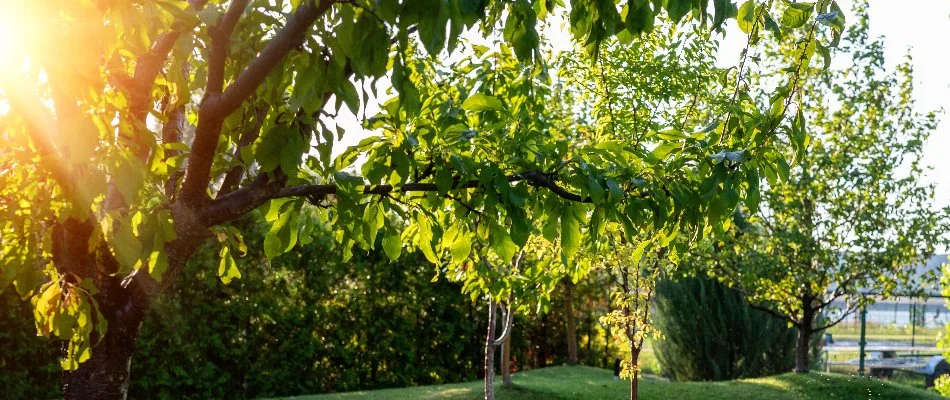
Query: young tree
(136,131)
(852,215)
(636,268)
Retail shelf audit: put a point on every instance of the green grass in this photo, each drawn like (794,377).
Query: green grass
(563,383)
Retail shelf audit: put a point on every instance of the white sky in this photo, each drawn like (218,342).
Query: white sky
(919,26)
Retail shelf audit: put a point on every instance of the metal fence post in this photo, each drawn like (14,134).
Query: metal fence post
(862,341)
(913,325)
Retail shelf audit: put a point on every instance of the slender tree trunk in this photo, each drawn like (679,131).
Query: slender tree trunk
(571,322)
(803,343)
(490,353)
(635,380)
(634,390)
(506,362)
(491,342)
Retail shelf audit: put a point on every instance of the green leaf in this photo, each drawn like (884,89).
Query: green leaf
(432,26)
(128,248)
(752,197)
(722,9)
(392,245)
(825,55)
(796,14)
(481,102)
(678,8)
(638,252)
(461,247)
(746,16)
(227,268)
(501,243)
(639,16)
(570,233)
(157,263)
(290,153)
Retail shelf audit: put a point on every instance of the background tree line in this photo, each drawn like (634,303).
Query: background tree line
(302,324)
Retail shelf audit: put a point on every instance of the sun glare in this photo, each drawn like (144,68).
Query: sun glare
(15,38)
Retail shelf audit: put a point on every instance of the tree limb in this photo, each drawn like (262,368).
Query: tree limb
(288,38)
(233,177)
(217,106)
(247,198)
(845,314)
(774,313)
(218,51)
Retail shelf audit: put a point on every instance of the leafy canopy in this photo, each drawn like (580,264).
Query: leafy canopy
(134,131)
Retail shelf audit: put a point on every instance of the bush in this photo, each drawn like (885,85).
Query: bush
(711,333)
(306,323)
(28,365)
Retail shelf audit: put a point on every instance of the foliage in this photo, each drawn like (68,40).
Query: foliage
(575,383)
(27,362)
(635,274)
(305,322)
(851,216)
(712,334)
(173,119)
(942,385)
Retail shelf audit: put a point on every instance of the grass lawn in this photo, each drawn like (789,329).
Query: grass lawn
(562,383)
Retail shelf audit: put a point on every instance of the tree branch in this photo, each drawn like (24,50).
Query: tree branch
(288,38)
(247,198)
(233,177)
(218,51)
(773,313)
(845,314)
(149,65)
(215,107)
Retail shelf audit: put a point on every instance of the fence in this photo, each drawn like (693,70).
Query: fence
(894,338)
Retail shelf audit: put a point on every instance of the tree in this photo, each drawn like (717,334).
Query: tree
(852,216)
(636,268)
(711,333)
(136,131)
(568,285)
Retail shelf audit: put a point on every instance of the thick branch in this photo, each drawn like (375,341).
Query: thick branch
(235,174)
(245,199)
(288,38)
(773,313)
(218,51)
(149,65)
(215,107)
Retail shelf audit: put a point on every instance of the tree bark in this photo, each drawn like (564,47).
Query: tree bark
(506,362)
(635,380)
(803,343)
(106,374)
(123,301)
(571,322)
(490,353)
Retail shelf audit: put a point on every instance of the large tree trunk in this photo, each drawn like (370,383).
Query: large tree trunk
(106,374)
(803,343)
(124,301)
(571,322)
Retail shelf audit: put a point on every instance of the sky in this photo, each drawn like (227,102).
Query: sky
(921,27)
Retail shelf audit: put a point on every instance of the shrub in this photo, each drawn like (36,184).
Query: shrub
(711,333)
